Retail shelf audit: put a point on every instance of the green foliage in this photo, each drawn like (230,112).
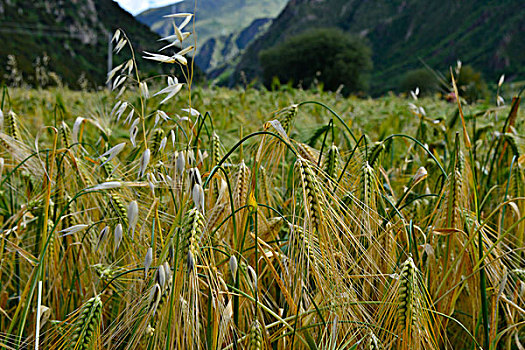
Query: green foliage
(325,55)
(420,78)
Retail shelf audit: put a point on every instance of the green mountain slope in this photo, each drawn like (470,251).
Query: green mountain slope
(484,33)
(217,21)
(73,34)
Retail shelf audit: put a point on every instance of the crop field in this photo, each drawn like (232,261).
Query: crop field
(249,219)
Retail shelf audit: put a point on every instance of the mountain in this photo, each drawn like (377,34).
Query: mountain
(486,34)
(221,53)
(72,34)
(223,27)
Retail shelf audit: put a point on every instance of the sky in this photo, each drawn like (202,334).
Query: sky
(137,6)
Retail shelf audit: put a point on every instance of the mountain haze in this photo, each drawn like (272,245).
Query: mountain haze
(486,34)
(224,27)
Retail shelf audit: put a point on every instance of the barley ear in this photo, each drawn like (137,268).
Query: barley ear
(256,336)
(87,324)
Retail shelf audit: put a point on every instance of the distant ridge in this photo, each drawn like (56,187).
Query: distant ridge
(73,34)
(484,33)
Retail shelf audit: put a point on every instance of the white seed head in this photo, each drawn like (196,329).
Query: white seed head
(112,153)
(129,117)
(116,36)
(144,91)
(154,295)
(106,186)
(73,229)
(147,261)
(193,112)
(163,143)
(233,266)
(133,135)
(144,161)
(253,277)
(151,178)
(171,90)
(102,236)
(1,166)
(420,175)
(190,157)
(76,128)
(133,216)
(181,164)
(172,135)
(161,276)
(117,236)
(167,270)
(198,197)
(121,109)
(195,177)
(501,80)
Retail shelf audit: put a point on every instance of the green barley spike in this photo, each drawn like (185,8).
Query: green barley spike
(311,189)
(332,161)
(12,125)
(288,115)
(158,134)
(215,159)
(256,336)
(265,187)
(119,208)
(406,295)
(64,134)
(192,231)
(87,324)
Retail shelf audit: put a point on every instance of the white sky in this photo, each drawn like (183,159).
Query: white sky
(137,6)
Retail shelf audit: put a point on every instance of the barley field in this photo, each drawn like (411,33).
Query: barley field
(169,216)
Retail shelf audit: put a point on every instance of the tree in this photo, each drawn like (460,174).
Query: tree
(421,78)
(326,55)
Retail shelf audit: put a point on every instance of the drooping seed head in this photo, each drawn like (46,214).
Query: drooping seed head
(154,296)
(180,164)
(144,161)
(117,236)
(147,261)
(160,276)
(102,236)
(233,266)
(195,177)
(198,197)
(133,216)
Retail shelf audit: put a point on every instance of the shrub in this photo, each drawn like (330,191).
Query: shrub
(328,56)
(422,78)
(470,84)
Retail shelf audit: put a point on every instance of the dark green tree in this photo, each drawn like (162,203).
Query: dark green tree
(421,78)
(328,56)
